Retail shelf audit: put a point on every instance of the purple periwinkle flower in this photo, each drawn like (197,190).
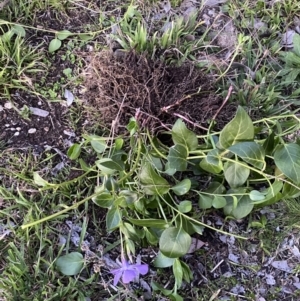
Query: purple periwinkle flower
(129,272)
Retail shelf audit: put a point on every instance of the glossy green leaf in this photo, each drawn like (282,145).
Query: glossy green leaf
(84,165)
(104,199)
(255,195)
(98,145)
(271,194)
(111,164)
(111,184)
(113,219)
(185,223)
(129,232)
(182,187)
(132,126)
(213,158)
(287,159)
(119,142)
(182,135)
(149,222)
(177,157)
(174,242)
(270,201)
(250,152)
(129,246)
(215,188)
(236,174)
(70,264)
(185,206)
(169,171)
(54,45)
(239,129)
(120,202)
(156,162)
(187,273)
(162,261)
(130,196)
(218,202)
(104,170)
(157,287)
(290,191)
(243,208)
(211,168)
(270,144)
(153,184)
(151,237)
(74,151)
(178,272)
(205,201)
(85,37)
(274,189)
(197,228)
(63,34)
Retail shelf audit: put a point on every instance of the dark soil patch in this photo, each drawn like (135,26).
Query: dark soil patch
(156,94)
(71,19)
(35,130)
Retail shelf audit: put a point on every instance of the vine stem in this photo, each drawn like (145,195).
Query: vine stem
(76,205)
(202,224)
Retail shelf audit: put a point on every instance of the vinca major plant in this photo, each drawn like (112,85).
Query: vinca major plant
(153,192)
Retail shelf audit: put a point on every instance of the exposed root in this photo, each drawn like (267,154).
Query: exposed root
(156,94)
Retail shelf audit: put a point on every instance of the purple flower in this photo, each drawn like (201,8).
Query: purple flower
(129,271)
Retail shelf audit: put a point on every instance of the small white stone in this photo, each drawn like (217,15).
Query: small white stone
(69,133)
(1,108)
(16,134)
(12,129)
(8,105)
(31,131)
(7,125)
(18,129)
(38,112)
(90,48)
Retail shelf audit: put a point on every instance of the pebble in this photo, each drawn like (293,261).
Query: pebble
(8,105)
(69,133)
(16,134)
(31,131)
(90,48)
(39,112)
(1,108)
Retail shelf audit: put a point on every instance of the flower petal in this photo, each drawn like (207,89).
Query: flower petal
(118,273)
(141,268)
(129,275)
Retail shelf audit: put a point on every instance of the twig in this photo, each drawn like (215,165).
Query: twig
(151,116)
(178,102)
(217,266)
(187,120)
(224,102)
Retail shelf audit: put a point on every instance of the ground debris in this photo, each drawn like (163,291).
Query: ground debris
(156,94)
